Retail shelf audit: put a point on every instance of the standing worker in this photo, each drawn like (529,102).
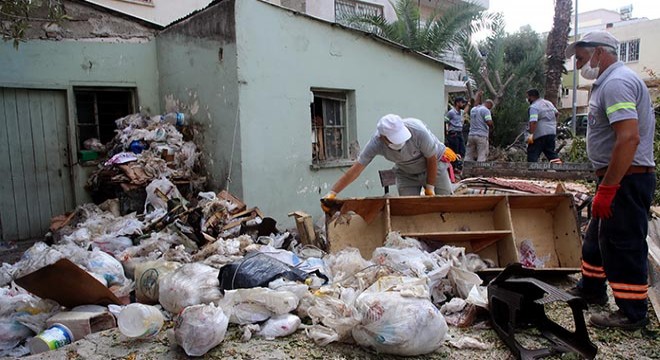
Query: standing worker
(454,140)
(542,128)
(420,159)
(620,146)
(481,123)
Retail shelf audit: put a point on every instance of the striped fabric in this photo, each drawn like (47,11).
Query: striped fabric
(630,291)
(593,271)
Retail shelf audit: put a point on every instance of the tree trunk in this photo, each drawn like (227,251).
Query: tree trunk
(557,42)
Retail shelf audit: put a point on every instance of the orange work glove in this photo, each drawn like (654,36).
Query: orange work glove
(602,203)
(429,190)
(329,196)
(530,139)
(449,155)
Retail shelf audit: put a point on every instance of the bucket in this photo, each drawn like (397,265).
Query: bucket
(52,338)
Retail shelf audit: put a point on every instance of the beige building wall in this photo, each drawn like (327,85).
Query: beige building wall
(161,12)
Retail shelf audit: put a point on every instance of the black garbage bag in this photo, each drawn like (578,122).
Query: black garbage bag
(257,270)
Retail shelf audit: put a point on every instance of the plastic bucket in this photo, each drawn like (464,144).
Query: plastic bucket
(52,338)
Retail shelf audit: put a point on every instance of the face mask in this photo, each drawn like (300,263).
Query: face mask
(396,146)
(588,72)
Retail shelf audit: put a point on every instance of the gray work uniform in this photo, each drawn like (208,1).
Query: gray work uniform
(455,120)
(544,114)
(410,161)
(477,144)
(619,94)
(614,250)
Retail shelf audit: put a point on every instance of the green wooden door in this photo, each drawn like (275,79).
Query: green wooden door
(35,173)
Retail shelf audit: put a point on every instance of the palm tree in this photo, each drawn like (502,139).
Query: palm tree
(433,36)
(557,41)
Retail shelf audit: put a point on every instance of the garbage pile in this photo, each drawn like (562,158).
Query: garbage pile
(208,262)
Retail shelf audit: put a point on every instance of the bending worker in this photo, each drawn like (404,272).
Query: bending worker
(620,146)
(542,128)
(421,160)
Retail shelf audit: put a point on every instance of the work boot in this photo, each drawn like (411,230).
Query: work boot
(594,299)
(616,320)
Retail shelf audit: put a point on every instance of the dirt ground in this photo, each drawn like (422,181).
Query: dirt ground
(612,344)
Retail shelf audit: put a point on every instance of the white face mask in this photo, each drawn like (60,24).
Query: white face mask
(396,146)
(588,72)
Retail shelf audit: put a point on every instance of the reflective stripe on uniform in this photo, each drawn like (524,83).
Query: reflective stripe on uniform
(620,106)
(592,271)
(488,117)
(586,265)
(534,117)
(630,291)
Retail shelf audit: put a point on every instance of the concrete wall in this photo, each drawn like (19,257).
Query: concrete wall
(162,12)
(89,53)
(325,9)
(197,67)
(649,51)
(277,68)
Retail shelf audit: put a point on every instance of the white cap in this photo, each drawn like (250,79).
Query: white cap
(392,127)
(593,39)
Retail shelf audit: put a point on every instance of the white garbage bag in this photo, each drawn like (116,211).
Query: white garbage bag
(200,328)
(191,284)
(279,326)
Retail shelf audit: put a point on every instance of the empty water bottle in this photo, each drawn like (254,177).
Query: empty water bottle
(173,118)
(139,321)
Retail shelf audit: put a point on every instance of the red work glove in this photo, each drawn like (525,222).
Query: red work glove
(602,203)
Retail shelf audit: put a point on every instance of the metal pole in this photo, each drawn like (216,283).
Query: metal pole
(575,74)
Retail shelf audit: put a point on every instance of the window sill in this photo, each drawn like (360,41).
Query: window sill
(331,164)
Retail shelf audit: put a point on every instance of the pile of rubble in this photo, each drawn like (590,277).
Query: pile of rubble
(206,260)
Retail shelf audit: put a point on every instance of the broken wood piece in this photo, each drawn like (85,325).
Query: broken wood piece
(240,206)
(60,221)
(305,226)
(242,217)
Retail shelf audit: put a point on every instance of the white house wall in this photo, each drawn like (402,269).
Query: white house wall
(280,57)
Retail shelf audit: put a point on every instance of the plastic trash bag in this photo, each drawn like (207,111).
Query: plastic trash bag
(200,328)
(191,284)
(345,264)
(158,188)
(257,270)
(395,240)
(393,324)
(321,335)
(279,326)
(334,308)
(147,275)
(249,306)
(107,266)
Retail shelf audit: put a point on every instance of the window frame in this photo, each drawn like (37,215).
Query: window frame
(359,8)
(95,91)
(626,49)
(345,98)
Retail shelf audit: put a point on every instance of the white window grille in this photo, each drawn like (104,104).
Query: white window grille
(345,10)
(629,51)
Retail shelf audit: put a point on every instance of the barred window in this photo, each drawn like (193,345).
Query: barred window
(347,9)
(629,51)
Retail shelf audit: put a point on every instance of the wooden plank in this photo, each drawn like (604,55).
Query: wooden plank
(547,202)
(368,209)
(60,116)
(16,166)
(415,205)
(567,236)
(39,146)
(8,220)
(444,222)
(36,227)
(479,239)
(506,248)
(350,230)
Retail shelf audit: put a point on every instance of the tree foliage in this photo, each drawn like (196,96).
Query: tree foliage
(505,66)
(16,16)
(439,33)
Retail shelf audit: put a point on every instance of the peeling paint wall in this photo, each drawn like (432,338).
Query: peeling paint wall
(90,23)
(197,67)
(84,56)
(281,57)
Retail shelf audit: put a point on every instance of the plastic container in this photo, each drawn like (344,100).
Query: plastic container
(139,321)
(173,118)
(52,338)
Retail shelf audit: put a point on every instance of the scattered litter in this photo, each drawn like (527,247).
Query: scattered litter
(191,284)
(200,328)
(279,326)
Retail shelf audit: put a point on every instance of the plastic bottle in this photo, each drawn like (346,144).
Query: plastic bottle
(139,320)
(52,338)
(173,118)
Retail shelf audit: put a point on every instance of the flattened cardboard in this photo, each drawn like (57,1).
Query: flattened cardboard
(68,285)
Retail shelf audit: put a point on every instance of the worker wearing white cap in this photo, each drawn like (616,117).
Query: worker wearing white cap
(421,160)
(620,146)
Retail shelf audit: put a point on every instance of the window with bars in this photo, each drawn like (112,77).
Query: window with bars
(629,50)
(97,109)
(348,9)
(330,127)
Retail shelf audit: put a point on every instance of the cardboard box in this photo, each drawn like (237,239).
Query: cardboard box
(83,323)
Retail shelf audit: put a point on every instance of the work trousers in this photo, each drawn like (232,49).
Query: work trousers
(455,142)
(615,249)
(412,184)
(543,144)
(477,148)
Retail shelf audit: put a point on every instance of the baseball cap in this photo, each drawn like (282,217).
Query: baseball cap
(593,39)
(392,127)
(460,98)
